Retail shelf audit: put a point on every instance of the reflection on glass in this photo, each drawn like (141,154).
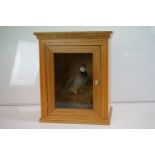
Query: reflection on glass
(73,80)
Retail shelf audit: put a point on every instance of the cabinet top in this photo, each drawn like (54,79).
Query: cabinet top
(73,35)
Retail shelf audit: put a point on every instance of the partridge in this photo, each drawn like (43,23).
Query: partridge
(78,81)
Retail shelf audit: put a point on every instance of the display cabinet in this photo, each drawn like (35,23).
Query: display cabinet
(74,71)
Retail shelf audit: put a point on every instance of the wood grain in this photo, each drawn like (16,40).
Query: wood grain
(73,35)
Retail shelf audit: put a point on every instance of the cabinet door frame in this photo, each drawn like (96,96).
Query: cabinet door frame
(50,51)
(102,116)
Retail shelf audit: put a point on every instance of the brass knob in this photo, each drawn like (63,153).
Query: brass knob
(97,82)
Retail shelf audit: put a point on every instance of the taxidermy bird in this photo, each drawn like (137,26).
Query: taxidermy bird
(78,81)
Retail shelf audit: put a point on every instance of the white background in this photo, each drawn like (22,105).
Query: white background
(132,63)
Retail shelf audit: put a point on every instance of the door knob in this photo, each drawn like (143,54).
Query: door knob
(97,82)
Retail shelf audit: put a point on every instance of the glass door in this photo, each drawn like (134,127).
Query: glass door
(73,80)
(75,76)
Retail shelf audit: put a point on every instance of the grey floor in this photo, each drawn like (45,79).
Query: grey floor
(124,115)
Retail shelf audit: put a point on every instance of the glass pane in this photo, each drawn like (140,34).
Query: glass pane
(73,80)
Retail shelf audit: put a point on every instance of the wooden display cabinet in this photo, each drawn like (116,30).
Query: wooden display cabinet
(74,77)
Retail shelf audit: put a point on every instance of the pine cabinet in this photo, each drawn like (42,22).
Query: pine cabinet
(74,77)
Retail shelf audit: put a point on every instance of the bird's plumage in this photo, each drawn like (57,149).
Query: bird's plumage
(78,81)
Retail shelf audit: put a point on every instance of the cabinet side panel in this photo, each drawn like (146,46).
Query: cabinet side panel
(109,78)
(43,89)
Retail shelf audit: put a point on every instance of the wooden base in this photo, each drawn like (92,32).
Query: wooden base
(99,121)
